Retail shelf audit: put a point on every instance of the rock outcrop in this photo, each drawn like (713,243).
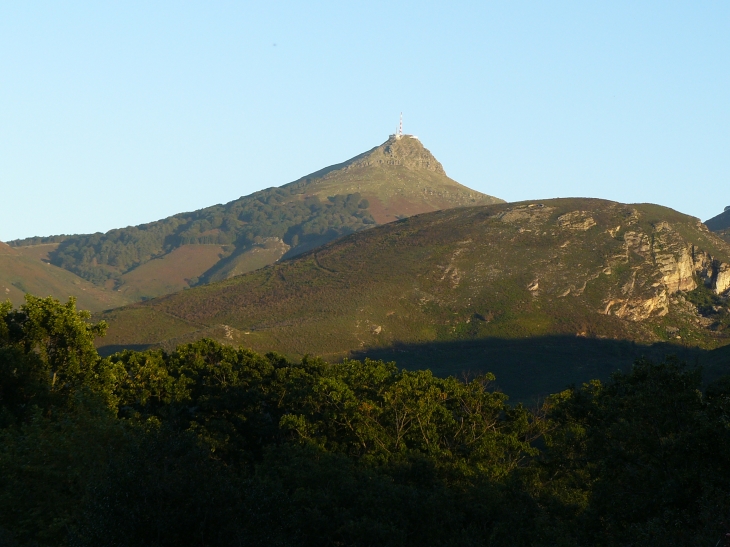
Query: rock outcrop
(662,263)
(648,261)
(721,278)
(576,220)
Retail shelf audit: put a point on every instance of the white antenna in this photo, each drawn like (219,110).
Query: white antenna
(400,127)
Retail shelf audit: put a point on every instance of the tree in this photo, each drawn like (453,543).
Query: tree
(47,354)
(644,459)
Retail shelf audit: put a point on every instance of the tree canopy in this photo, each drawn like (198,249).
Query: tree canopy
(211,445)
(284,213)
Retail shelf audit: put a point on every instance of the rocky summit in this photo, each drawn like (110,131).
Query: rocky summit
(399,178)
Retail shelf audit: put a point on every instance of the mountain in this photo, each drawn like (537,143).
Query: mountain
(23,270)
(541,293)
(397,179)
(720,224)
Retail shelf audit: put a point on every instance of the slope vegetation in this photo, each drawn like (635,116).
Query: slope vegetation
(396,179)
(720,224)
(22,271)
(470,288)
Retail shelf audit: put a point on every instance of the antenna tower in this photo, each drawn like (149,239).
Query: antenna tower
(400,126)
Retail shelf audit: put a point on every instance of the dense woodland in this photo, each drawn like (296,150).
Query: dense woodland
(211,445)
(276,212)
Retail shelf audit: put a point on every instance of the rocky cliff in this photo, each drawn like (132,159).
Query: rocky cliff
(662,262)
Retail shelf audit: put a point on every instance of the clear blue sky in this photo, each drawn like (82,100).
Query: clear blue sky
(119,113)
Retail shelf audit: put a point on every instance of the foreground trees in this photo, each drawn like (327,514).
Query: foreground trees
(211,445)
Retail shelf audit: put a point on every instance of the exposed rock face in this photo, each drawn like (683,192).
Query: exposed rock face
(530,214)
(407,151)
(652,260)
(662,263)
(677,270)
(674,258)
(576,220)
(637,309)
(721,278)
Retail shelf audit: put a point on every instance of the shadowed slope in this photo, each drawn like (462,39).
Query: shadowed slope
(720,224)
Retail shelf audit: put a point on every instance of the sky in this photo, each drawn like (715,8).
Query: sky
(119,113)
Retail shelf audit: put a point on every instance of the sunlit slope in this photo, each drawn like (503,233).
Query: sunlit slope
(578,267)
(172,272)
(396,179)
(23,271)
(399,178)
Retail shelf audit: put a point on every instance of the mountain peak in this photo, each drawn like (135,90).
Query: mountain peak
(397,179)
(400,177)
(405,150)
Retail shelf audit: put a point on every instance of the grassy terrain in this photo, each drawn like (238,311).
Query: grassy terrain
(172,272)
(268,251)
(23,271)
(719,222)
(395,180)
(545,293)
(724,234)
(399,179)
(40,252)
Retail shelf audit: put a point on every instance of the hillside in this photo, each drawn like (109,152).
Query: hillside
(720,224)
(541,293)
(23,271)
(397,179)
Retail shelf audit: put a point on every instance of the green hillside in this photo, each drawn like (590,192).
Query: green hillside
(396,179)
(720,224)
(23,271)
(541,293)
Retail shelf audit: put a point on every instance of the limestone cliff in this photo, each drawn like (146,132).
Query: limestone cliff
(662,263)
(648,260)
(721,277)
